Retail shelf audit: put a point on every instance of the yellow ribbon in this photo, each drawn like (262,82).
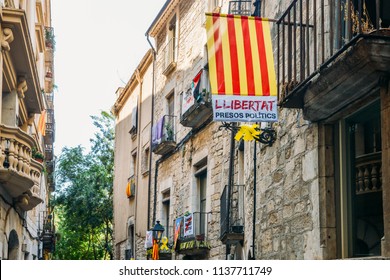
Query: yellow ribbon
(248,132)
(164,242)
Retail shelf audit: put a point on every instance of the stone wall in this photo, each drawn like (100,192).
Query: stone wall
(287,191)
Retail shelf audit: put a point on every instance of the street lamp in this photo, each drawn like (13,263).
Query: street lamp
(157,230)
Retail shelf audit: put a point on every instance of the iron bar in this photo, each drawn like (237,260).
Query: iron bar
(307,40)
(322,32)
(289,47)
(339,25)
(254,201)
(378,9)
(301,43)
(349,19)
(331,28)
(315,34)
(360,10)
(295,43)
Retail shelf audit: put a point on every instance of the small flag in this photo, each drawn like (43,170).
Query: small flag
(42,123)
(196,87)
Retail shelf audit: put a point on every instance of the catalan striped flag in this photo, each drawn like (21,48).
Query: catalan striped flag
(240,65)
(240,55)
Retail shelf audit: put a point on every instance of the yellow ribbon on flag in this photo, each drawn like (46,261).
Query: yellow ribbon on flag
(248,132)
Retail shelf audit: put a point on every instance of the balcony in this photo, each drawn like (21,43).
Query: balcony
(368,173)
(330,57)
(51,182)
(192,238)
(49,38)
(50,100)
(50,167)
(32,197)
(244,8)
(168,53)
(131,187)
(196,107)
(163,135)
(49,132)
(47,233)
(18,171)
(19,60)
(232,222)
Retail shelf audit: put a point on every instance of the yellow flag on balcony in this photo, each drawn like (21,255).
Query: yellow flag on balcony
(241,68)
(42,123)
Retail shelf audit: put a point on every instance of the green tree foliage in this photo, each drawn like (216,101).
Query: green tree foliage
(83,199)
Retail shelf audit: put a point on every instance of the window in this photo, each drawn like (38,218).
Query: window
(134,119)
(170,49)
(165,211)
(201,178)
(129,252)
(171,104)
(359,196)
(145,162)
(169,121)
(133,163)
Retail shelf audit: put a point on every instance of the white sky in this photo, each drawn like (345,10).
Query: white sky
(98,45)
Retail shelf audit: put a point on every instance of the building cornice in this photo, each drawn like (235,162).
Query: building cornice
(133,81)
(162,17)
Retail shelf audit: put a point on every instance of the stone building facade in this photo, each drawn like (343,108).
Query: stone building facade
(26,130)
(320,191)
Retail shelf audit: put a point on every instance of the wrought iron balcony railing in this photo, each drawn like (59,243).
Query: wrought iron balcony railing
(196,106)
(47,232)
(311,34)
(232,209)
(192,238)
(244,8)
(164,136)
(168,53)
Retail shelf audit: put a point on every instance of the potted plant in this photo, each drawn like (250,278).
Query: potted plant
(37,155)
(49,39)
(169,130)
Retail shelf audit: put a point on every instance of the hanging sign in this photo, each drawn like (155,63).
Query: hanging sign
(189,225)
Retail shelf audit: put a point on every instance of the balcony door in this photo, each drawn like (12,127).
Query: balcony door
(361,202)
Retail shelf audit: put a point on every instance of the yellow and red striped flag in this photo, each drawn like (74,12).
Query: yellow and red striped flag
(241,67)
(42,123)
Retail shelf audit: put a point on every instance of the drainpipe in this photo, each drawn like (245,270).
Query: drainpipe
(155,192)
(151,129)
(230,185)
(254,201)
(139,113)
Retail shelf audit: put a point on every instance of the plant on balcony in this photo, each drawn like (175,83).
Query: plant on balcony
(37,155)
(203,96)
(169,130)
(49,39)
